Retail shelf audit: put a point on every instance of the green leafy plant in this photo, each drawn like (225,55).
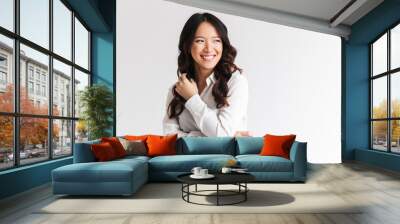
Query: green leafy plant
(96,102)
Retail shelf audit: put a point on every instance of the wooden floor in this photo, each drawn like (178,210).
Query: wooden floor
(377,188)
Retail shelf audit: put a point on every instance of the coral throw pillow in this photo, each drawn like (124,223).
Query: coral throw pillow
(116,145)
(161,145)
(277,145)
(103,152)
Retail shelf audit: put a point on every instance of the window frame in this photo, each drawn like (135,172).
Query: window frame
(388,74)
(15,72)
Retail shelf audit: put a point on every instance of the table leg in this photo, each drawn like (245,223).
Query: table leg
(245,193)
(217,194)
(188,190)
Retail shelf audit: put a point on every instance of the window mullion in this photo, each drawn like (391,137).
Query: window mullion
(389,113)
(16,84)
(73,82)
(50,87)
(371,98)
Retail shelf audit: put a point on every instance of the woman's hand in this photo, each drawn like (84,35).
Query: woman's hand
(185,87)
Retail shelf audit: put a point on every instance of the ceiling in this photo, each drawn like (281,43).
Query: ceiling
(326,16)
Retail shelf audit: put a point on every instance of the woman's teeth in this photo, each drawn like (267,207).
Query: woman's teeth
(208,57)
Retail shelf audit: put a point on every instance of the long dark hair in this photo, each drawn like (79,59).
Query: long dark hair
(222,71)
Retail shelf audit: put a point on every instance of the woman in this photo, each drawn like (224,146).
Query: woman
(210,96)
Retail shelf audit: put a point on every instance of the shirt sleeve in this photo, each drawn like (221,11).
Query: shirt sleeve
(224,121)
(171,125)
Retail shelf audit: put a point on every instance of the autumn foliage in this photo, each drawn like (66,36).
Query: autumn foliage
(380,127)
(33,131)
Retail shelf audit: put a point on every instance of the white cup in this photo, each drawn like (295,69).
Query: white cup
(196,170)
(226,170)
(203,172)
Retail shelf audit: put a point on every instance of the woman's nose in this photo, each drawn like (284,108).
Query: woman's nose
(208,45)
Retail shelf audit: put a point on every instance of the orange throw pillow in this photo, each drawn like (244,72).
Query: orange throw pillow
(161,145)
(277,145)
(116,145)
(103,152)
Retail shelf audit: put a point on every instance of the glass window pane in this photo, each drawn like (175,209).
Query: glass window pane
(6,142)
(395,95)
(81,45)
(81,131)
(7,14)
(379,135)
(379,55)
(81,81)
(33,140)
(62,89)
(6,74)
(34,80)
(395,47)
(35,21)
(379,98)
(62,138)
(395,136)
(62,29)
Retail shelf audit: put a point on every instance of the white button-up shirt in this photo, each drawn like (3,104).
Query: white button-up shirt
(201,117)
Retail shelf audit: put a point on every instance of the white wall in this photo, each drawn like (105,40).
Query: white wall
(294,75)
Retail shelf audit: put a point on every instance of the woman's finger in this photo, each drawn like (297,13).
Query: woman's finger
(184,76)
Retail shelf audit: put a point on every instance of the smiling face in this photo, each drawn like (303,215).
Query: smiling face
(206,48)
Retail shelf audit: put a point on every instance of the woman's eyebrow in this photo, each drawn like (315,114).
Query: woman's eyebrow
(206,38)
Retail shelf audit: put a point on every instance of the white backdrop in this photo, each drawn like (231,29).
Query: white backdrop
(294,75)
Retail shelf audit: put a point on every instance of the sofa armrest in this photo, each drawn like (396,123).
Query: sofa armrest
(298,155)
(83,152)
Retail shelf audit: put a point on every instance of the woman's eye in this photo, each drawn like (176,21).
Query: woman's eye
(217,40)
(199,41)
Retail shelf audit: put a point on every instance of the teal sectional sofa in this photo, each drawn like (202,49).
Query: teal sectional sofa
(125,176)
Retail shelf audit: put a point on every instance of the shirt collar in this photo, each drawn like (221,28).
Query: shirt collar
(210,79)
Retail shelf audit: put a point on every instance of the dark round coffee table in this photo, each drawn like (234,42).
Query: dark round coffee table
(238,179)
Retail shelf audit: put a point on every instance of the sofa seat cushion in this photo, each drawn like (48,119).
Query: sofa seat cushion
(133,158)
(185,163)
(112,171)
(257,163)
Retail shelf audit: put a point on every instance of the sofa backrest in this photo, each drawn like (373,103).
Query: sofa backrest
(249,145)
(83,152)
(206,145)
(192,146)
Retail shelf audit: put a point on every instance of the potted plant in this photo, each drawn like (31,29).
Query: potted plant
(96,102)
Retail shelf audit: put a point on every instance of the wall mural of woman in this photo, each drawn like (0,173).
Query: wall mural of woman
(210,96)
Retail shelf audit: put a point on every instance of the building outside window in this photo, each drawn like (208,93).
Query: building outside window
(30,87)
(43,90)
(37,75)
(3,61)
(30,72)
(44,77)
(3,78)
(3,72)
